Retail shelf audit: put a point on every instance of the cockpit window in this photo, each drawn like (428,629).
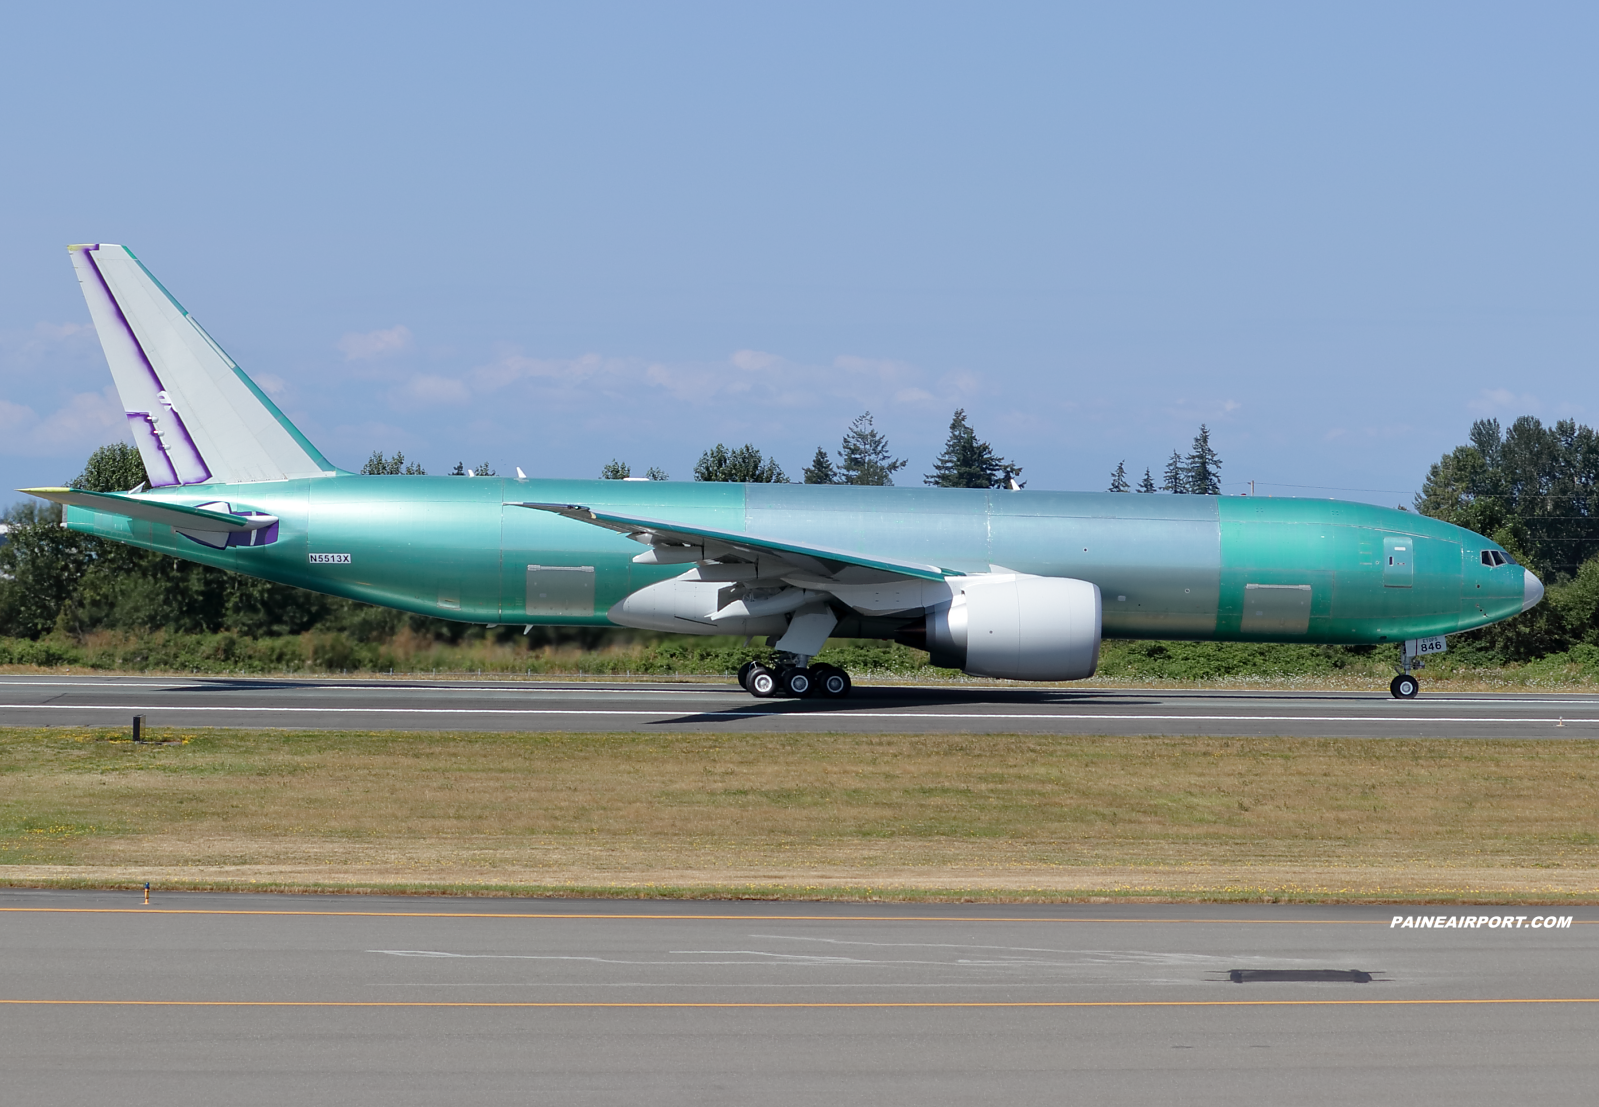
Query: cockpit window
(1494,557)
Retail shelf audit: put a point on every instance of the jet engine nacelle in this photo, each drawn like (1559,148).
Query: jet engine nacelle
(1018,627)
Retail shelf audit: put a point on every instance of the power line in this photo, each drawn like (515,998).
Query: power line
(1324,487)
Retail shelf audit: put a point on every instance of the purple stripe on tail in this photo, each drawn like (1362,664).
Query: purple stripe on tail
(160,433)
(143,428)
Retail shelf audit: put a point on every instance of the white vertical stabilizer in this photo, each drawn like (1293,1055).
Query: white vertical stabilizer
(194,415)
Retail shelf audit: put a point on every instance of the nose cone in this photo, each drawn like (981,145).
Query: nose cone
(1531,590)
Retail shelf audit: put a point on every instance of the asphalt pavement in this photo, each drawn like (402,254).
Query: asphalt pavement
(543,705)
(205,999)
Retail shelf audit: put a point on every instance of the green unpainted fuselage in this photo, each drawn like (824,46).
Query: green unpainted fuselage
(1169,567)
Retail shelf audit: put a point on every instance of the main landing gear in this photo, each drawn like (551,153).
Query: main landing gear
(794,677)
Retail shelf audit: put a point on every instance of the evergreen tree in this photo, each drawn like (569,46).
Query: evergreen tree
(482,470)
(1176,478)
(655,472)
(615,470)
(1148,483)
(379,466)
(863,457)
(820,470)
(1203,466)
(1118,479)
(969,463)
(744,465)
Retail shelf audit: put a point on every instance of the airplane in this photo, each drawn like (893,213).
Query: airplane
(1017,584)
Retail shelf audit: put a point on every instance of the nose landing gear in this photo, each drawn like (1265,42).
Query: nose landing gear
(1405,686)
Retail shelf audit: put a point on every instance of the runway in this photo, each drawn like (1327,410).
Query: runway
(200,999)
(545,705)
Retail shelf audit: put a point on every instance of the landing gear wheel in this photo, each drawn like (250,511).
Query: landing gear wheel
(831,681)
(760,682)
(796,681)
(1404,687)
(744,674)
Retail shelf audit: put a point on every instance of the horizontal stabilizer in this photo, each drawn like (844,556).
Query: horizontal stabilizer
(194,415)
(814,558)
(214,524)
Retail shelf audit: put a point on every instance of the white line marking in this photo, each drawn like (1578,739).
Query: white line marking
(192,686)
(748,714)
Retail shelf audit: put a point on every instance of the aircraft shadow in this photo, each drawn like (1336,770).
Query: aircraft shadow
(882,699)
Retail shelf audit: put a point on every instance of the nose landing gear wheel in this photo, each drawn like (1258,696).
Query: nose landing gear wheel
(761,682)
(796,682)
(831,681)
(1404,687)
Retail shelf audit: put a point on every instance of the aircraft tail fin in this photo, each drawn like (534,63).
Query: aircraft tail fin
(194,415)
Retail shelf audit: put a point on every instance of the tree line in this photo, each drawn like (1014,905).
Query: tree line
(864,458)
(1198,473)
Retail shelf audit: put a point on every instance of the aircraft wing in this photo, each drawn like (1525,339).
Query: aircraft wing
(210,524)
(705,544)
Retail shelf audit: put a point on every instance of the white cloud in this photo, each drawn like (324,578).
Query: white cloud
(85,421)
(1202,411)
(748,384)
(426,389)
(1501,400)
(875,367)
(88,418)
(362,347)
(511,367)
(44,345)
(753,361)
(270,383)
(59,332)
(16,417)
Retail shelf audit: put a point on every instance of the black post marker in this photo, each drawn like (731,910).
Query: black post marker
(138,728)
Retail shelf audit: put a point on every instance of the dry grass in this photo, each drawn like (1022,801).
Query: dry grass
(993,815)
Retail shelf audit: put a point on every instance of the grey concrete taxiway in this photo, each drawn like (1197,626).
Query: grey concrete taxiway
(664,707)
(206,999)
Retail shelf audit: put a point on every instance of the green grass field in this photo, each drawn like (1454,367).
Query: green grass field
(815,816)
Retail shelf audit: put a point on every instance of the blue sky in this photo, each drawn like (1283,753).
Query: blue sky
(549,235)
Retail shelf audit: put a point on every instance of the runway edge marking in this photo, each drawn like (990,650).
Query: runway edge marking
(791,1006)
